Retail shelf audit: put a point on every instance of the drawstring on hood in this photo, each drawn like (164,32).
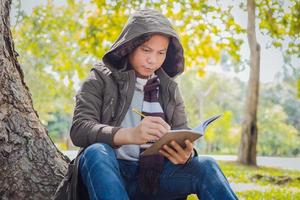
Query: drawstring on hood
(138,29)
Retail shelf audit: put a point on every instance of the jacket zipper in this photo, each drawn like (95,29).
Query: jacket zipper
(168,102)
(112,109)
(125,99)
(110,105)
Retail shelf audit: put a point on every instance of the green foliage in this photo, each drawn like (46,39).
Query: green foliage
(237,173)
(281,20)
(58,43)
(274,193)
(209,96)
(276,136)
(202,38)
(192,197)
(222,136)
(47,41)
(279,118)
(58,126)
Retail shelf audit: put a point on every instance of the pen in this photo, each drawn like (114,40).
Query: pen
(138,112)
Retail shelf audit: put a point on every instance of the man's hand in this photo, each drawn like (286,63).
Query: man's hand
(175,153)
(149,129)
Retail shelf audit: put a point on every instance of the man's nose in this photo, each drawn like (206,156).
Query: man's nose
(151,59)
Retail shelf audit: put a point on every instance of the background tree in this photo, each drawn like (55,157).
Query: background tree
(207,32)
(30,165)
(79,37)
(247,151)
(279,24)
(58,43)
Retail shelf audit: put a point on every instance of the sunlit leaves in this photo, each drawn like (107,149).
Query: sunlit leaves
(103,24)
(281,20)
(58,43)
(47,41)
(61,41)
(195,20)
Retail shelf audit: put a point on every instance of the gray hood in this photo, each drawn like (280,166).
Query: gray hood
(137,30)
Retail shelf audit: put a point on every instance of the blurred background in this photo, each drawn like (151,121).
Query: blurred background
(59,40)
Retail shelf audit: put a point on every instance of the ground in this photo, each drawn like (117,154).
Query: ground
(278,182)
(261,183)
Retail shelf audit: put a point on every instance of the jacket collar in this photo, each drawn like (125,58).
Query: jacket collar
(129,75)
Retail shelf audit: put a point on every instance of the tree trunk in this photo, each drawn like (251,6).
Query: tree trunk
(247,150)
(31,167)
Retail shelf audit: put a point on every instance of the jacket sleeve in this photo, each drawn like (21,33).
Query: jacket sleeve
(86,127)
(179,119)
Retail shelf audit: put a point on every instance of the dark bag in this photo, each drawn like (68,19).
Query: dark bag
(71,187)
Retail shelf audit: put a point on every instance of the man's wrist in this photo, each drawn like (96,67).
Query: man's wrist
(123,136)
(193,154)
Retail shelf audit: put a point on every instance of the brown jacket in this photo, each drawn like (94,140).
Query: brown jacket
(105,96)
(104,99)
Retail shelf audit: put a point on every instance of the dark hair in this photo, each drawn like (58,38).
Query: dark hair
(173,64)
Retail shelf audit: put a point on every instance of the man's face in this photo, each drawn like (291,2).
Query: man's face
(149,56)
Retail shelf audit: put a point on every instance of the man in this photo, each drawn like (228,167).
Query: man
(136,73)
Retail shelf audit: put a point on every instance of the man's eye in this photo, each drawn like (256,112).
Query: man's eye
(146,50)
(162,53)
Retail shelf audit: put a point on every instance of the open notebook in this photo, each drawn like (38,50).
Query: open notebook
(179,136)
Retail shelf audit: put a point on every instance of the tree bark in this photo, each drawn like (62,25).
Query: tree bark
(247,150)
(31,167)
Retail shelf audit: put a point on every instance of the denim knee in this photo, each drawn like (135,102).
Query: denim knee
(207,161)
(205,164)
(211,182)
(99,151)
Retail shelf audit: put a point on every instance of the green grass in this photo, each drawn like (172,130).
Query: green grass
(238,173)
(270,194)
(277,184)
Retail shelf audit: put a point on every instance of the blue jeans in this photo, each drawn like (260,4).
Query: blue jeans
(106,177)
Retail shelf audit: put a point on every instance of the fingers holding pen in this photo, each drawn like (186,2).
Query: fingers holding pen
(153,126)
(154,119)
(164,125)
(150,128)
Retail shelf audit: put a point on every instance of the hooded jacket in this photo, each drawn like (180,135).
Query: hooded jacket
(105,96)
